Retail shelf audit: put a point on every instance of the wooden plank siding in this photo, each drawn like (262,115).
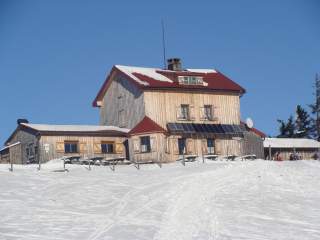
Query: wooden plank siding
(161,106)
(18,154)
(122,105)
(88,146)
(157,153)
(166,147)
(304,153)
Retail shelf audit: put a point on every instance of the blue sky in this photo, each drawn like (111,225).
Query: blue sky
(54,55)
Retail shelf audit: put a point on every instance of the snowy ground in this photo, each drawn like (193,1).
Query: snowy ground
(220,200)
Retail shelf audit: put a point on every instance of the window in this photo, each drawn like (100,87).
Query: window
(31,151)
(182,145)
(107,147)
(207,111)
(145,144)
(184,111)
(190,80)
(71,147)
(210,145)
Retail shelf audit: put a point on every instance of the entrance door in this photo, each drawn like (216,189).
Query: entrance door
(210,145)
(182,145)
(126,147)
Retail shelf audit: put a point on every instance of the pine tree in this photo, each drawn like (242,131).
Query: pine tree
(287,129)
(315,110)
(303,126)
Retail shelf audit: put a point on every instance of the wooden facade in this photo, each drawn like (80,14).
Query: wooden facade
(125,104)
(163,106)
(131,94)
(122,104)
(52,147)
(285,153)
(28,140)
(291,148)
(35,145)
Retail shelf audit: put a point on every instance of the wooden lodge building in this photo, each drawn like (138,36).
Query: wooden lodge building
(30,143)
(149,114)
(176,111)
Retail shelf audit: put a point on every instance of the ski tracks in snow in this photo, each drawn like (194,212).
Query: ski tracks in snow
(192,213)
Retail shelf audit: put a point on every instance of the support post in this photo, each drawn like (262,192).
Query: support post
(39,167)
(11,164)
(183,160)
(270,158)
(227,152)
(202,153)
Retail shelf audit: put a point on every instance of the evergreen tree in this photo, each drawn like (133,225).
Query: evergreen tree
(303,126)
(315,110)
(287,129)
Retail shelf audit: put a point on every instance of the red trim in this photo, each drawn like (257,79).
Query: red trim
(256,131)
(107,83)
(146,125)
(216,82)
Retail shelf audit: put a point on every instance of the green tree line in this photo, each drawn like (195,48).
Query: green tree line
(304,124)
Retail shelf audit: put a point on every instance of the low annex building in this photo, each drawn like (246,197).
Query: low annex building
(286,147)
(30,143)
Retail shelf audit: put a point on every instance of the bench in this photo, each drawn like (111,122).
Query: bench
(212,157)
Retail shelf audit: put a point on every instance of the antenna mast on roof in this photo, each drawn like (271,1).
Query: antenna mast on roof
(163,45)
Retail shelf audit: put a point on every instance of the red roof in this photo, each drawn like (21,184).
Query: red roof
(256,131)
(146,125)
(153,78)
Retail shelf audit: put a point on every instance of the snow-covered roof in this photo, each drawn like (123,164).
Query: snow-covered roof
(291,143)
(9,146)
(150,72)
(201,70)
(156,78)
(74,128)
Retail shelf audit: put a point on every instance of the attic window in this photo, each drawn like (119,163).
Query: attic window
(190,80)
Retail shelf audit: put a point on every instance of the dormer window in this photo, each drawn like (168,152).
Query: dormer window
(190,80)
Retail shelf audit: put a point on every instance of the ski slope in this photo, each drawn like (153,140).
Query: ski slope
(216,200)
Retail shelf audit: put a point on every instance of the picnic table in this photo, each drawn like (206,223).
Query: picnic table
(114,161)
(91,160)
(231,157)
(248,157)
(187,158)
(71,159)
(213,157)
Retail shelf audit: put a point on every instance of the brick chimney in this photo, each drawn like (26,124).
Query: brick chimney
(174,64)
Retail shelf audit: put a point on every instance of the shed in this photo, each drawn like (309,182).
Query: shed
(43,142)
(303,147)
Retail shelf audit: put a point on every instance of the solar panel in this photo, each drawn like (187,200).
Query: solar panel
(205,129)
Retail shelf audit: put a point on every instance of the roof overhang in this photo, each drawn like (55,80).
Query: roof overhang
(291,143)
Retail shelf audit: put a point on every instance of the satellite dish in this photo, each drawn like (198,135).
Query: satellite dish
(249,123)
